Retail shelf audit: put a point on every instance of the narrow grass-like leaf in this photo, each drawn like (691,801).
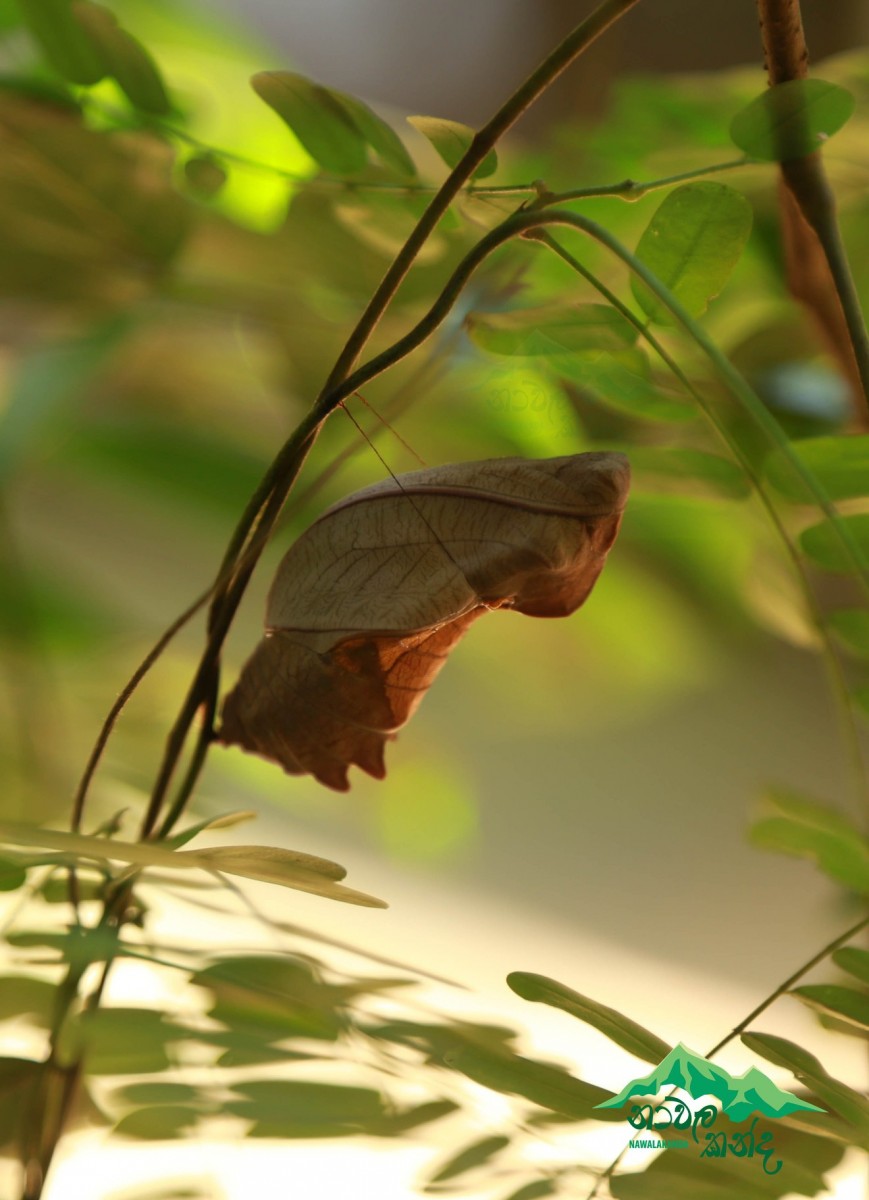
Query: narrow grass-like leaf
(791,119)
(320,122)
(854,961)
(823,544)
(804,828)
(809,1071)
(474,1155)
(126,59)
(844,1003)
(63,41)
(550,1087)
(551,330)
(452,140)
(268,864)
(618,1028)
(692,244)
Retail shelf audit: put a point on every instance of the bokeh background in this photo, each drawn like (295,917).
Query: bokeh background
(573,796)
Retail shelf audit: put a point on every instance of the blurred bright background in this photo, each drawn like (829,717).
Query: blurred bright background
(573,796)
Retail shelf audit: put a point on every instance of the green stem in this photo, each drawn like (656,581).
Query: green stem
(630,189)
(786,986)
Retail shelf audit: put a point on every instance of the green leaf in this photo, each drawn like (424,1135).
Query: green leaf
(161,1122)
(692,244)
(839,546)
(84,216)
(853,960)
(224,821)
(23,995)
(791,119)
(380,136)
(620,1029)
(125,58)
(675,465)
(317,118)
(287,868)
(804,828)
(852,626)
(77,946)
(845,1003)
(204,175)
(397,1123)
(550,1087)
(452,140)
(12,875)
(151,1093)
(435,1041)
(474,1155)
(246,1048)
(62,40)
(269,864)
(551,330)
(126,1041)
(808,1070)
(839,464)
(273,997)
(298,1108)
(622,381)
(534,1191)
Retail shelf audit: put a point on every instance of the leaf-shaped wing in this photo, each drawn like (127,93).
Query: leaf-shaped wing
(368,603)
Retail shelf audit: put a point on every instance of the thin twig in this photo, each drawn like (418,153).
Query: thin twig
(263,509)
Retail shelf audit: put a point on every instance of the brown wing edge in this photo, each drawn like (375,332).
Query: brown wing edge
(320,713)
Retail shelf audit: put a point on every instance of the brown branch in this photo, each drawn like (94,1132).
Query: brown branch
(817,271)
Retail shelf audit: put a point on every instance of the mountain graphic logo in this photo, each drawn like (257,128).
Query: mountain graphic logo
(740,1095)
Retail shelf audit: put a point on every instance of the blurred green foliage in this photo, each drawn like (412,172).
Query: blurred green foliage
(181,265)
